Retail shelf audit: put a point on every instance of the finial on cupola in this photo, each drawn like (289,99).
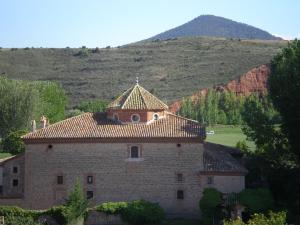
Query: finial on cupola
(137,80)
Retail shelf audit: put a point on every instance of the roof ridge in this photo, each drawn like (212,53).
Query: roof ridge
(54,124)
(135,86)
(181,117)
(156,98)
(143,98)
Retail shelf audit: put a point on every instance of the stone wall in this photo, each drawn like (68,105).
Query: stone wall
(116,178)
(98,218)
(9,190)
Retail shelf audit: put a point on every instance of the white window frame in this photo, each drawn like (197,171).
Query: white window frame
(155,114)
(139,118)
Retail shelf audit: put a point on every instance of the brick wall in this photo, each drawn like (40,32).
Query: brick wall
(152,178)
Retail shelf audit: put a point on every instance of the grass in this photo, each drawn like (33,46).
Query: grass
(171,69)
(4,155)
(228,135)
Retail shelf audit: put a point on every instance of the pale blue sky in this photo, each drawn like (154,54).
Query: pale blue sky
(61,23)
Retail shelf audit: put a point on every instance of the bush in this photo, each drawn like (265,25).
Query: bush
(59,214)
(13,143)
(17,220)
(112,208)
(242,145)
(76,205)
(209,204)
(260,219)
(142,212)
(93,106)
(256,200)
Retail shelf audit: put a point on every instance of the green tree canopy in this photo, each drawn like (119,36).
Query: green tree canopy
(284,87)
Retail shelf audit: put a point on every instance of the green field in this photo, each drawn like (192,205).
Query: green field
(4,155)
(228,135)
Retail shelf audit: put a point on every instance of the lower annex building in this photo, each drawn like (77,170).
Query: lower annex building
(135,150)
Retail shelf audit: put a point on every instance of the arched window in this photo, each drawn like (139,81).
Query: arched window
(135,118)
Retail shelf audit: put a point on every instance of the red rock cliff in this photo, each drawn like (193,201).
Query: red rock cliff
(254,81)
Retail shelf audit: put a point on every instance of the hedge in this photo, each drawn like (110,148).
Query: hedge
(135,212)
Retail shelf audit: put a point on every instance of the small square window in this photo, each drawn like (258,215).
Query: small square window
(15,182)
(179,177)
(15,169)
(60,179)
(210,180)
(134,152)
(180,194)
(90,179)
(89,194)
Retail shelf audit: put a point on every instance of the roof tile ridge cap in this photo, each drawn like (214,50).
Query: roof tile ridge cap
(143,98)
(181,117)
(160,101)
(122,107)
(54,124)
(110,105)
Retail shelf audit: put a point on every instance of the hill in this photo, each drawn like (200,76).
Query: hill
(171,69)
(214,26)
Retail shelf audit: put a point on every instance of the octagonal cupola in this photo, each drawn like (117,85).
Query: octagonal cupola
(136,105)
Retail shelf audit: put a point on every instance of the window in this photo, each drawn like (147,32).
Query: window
(134,152)
(179,177)
(180,194)
(15,169)
(210,180)
(178,145)
(135,118)
(15,182)
(90,180)
(60,179)
(89,194)
(116,117)
(155,116)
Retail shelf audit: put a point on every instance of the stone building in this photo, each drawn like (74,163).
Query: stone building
(135,150)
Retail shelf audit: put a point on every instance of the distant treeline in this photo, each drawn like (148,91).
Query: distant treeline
(222,107)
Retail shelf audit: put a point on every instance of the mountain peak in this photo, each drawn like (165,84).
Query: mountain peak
(215,26)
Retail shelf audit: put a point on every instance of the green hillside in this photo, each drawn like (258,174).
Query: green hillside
(171,69)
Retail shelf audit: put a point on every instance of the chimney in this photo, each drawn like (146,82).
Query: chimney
(33,125)
(43,122)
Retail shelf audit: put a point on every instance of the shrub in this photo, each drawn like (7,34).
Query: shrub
(76,205)
(260,219)
(112,208)
(242,145)
(59,214)
(12,143)
(256,200)
(142,212)
(209,204)
(17,220)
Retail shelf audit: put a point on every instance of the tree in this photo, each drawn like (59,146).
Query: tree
(76,205)
(17,105)
(256,200)
(93,106)
(284,87)
(13,143)
(209,204)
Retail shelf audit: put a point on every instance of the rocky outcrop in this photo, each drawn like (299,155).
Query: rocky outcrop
(254,81)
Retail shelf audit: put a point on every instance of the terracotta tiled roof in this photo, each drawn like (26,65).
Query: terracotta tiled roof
(216,158)
(137,98)
(97,126)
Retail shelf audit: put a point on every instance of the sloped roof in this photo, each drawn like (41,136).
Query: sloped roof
(138,98)
(98,127)
(216,158)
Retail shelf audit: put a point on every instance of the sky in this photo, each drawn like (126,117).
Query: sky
(101,23)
